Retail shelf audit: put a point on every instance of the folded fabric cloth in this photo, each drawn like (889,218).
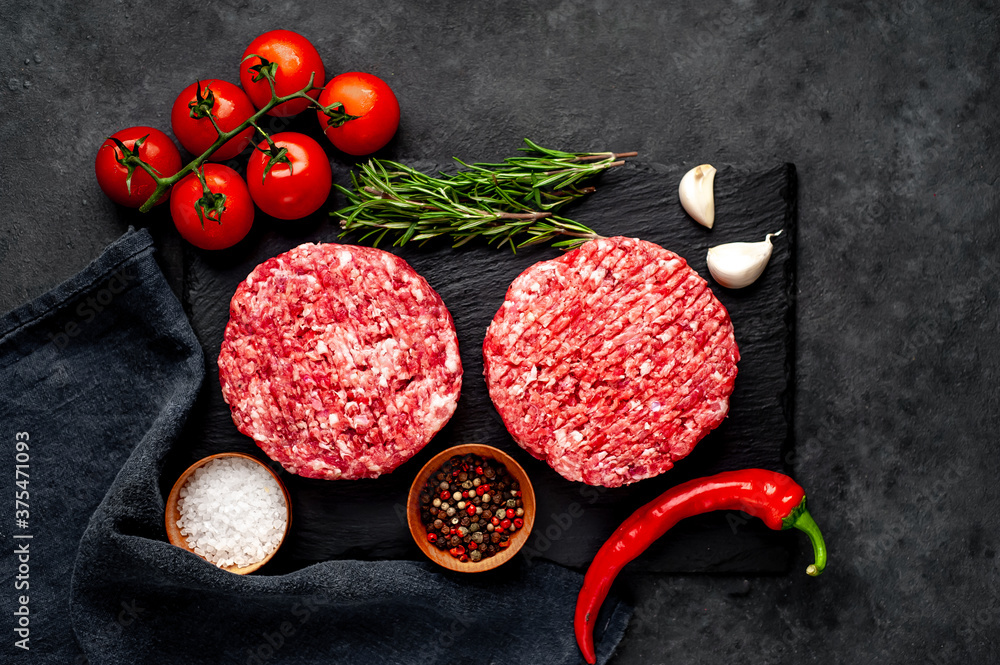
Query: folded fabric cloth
(97,378)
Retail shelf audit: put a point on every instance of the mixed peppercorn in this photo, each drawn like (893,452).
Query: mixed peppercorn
(471,507)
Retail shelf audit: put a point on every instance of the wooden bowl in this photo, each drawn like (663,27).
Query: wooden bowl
(441,557)
(174,534)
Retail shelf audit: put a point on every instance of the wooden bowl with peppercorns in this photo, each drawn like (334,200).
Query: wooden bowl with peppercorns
(471,508)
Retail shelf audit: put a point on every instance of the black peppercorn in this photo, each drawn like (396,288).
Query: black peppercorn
(476,491)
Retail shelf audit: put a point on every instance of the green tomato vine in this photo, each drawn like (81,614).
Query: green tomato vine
(201,108)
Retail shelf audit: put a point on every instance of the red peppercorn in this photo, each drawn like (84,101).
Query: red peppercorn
(471,510)
(504,543)
(455,472)
(495,521)
(481,490)
(444,495)
(465,494)
(479,470)
(518,522)
(463,558)
(473,545)
(505,524)
(432,537)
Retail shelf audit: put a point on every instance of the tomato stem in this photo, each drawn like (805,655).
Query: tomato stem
(277,155)
(163,184)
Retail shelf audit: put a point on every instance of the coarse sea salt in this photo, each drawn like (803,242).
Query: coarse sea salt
(232,512)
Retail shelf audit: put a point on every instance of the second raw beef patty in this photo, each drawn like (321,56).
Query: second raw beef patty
(340,361)
(610,362)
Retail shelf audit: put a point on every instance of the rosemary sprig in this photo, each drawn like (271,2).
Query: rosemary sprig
(517,198)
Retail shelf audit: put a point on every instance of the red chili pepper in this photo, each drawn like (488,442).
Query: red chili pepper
(773,497)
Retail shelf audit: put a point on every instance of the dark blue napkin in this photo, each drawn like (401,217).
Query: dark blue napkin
(96,379)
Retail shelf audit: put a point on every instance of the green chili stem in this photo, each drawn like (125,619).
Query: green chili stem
(804,522)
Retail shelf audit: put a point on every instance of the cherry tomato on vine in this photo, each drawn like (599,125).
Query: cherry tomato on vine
(155,148)
(217,219)
(371,101)
(230,107)
(294,188)
(295,58)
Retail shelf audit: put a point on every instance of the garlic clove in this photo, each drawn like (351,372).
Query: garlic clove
(738,264)
(696,194)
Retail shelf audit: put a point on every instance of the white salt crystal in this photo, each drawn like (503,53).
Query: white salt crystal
(233,512)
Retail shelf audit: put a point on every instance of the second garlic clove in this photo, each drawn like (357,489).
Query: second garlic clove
(738,264)
(696,194)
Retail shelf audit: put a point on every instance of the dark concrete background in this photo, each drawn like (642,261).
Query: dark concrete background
(888,110)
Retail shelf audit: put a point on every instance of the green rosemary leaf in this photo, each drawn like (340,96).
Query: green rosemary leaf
(509,203)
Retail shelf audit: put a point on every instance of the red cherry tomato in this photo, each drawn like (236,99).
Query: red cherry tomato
(157,150)
(296,58)
(230,107)
(215,228)
(295,189)
(368,97)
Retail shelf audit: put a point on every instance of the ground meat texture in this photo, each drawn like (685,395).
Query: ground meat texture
(339,361)
(610,362)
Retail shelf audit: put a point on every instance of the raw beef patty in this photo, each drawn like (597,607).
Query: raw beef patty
(610,362)
(340,361)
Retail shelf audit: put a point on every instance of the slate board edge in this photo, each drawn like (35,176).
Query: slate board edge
(791,271)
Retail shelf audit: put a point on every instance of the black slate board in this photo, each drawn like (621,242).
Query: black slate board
(366,519)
